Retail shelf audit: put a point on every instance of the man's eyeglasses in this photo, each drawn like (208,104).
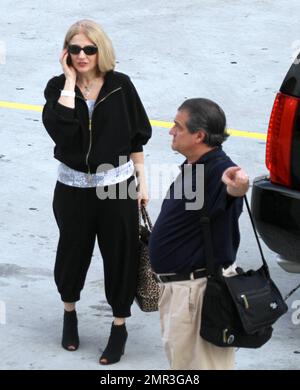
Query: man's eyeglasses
(88,50)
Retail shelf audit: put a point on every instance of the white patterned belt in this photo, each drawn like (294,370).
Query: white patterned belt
(70,177)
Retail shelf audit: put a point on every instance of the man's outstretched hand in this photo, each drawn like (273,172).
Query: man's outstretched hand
(236,180)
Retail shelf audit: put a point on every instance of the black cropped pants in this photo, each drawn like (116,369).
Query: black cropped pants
(81,217)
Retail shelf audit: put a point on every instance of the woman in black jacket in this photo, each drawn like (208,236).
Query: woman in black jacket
(99,126)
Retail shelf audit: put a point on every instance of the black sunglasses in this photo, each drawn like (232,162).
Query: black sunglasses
(88,50)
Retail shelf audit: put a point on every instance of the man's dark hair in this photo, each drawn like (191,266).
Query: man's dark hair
(204,114)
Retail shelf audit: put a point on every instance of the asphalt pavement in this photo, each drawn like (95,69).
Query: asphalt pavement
(233,52)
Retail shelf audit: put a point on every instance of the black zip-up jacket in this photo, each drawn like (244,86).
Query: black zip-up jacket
(119,125)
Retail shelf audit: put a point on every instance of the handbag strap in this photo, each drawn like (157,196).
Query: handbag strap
(143,214)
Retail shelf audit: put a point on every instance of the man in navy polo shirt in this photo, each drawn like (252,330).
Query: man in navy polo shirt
(176,246)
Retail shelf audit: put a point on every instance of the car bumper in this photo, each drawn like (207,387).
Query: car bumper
(276,212)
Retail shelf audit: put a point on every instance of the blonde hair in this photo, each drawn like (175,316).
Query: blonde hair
(106,54)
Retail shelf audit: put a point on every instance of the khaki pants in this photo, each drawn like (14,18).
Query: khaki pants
(180,317)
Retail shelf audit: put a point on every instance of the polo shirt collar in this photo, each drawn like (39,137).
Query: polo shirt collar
(211,155)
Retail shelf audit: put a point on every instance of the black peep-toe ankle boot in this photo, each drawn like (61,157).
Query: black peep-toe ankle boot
(70,338)
(116,345)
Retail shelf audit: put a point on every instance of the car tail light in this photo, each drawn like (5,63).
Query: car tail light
(279,139)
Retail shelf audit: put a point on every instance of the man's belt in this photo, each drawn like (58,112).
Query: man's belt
(166,278)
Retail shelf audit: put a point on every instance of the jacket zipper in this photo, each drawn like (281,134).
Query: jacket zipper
(90,126)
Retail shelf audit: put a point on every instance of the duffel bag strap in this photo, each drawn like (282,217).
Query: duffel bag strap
(208,248)
(257,238)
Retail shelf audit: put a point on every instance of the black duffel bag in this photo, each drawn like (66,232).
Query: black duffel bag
(239,311)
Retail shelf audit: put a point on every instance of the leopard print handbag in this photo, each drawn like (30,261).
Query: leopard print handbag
(147,293)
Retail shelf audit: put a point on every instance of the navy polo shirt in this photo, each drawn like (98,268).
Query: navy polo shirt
(176,243)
